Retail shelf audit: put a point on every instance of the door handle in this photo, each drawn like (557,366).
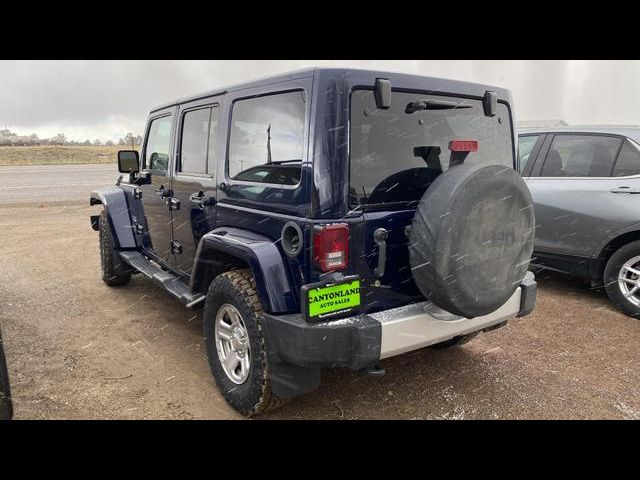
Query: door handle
(625,189)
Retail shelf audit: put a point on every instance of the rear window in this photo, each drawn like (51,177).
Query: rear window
(395,155)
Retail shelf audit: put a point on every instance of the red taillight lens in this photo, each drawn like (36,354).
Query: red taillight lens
(463,145)
(331,247)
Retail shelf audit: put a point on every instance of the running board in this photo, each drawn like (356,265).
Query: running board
(168,280)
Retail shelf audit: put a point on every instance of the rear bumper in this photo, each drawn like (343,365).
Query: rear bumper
(360,341)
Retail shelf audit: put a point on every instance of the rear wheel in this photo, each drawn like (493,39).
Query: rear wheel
(235,343)
(622,279)
(114,271)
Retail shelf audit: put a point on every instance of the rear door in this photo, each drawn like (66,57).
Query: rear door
(394,157)
(582,186)
(194,183)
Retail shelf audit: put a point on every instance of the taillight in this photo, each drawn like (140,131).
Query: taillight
(331,246)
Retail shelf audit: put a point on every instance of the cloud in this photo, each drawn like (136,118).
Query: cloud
(107,99)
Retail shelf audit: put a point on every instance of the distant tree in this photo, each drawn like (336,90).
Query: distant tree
(59,139)
(138,140)
(86,142)
(122,142)
(97,142)
(109,143)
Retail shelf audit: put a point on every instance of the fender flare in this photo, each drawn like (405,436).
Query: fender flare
(599,248)
(114,201)
(226,245)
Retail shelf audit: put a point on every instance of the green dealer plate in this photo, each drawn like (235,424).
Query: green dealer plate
(338,299)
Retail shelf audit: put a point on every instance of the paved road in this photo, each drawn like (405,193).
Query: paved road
(53,183)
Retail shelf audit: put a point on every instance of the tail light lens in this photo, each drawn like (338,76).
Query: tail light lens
(463,145)
(331,247)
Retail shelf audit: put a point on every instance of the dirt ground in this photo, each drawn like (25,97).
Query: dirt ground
(78,349)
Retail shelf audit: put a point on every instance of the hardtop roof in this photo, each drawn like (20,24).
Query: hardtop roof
(328,71)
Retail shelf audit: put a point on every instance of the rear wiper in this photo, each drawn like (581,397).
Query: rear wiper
(433,105)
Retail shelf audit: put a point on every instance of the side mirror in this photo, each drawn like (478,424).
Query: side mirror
(128,161)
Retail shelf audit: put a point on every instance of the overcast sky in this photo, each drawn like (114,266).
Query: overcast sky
(106,99)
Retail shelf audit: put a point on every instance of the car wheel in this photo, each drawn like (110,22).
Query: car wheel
(235,343)
(622,279)
(114,270)
(455,341)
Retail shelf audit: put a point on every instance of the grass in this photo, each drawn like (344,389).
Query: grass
(58,155)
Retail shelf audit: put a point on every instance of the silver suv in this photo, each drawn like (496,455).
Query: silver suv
(585,184)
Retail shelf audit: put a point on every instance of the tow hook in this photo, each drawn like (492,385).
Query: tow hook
(374,371)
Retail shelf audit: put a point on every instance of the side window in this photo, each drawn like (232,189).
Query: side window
(197,148)
(580,156)
(267,132)
(156,153)
(628,162)
(525,145)
(195,137)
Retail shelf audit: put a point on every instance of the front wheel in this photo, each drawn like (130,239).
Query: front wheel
(114,271)
(622,279)
(235,343)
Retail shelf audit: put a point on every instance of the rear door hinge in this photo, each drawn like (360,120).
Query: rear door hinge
(176,247)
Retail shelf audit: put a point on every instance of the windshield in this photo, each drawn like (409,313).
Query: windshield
(396,153)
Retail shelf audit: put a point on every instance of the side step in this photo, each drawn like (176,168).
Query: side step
(168,280)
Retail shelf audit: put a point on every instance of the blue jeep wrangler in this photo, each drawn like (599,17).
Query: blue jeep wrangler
(325,218)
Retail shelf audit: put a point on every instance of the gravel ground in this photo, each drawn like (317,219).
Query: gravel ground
(79,349)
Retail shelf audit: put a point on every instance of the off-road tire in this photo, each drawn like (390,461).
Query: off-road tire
(455,341)
(111,265)
(614,264)
(254,396)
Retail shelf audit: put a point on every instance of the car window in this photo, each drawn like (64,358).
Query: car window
(628,162)
(580,156)
(398,152)
(197,152)
(266,131)
(157,146)
(255,174)
(195,136)
(525,145)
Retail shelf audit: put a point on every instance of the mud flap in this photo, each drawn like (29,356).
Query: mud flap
(288,381)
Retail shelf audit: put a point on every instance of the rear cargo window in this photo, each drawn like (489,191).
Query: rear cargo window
(396,154)
(267,132)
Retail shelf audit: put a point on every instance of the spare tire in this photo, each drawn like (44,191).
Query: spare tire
(472,238)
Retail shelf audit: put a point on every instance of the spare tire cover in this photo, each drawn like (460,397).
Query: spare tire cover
(471,238)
